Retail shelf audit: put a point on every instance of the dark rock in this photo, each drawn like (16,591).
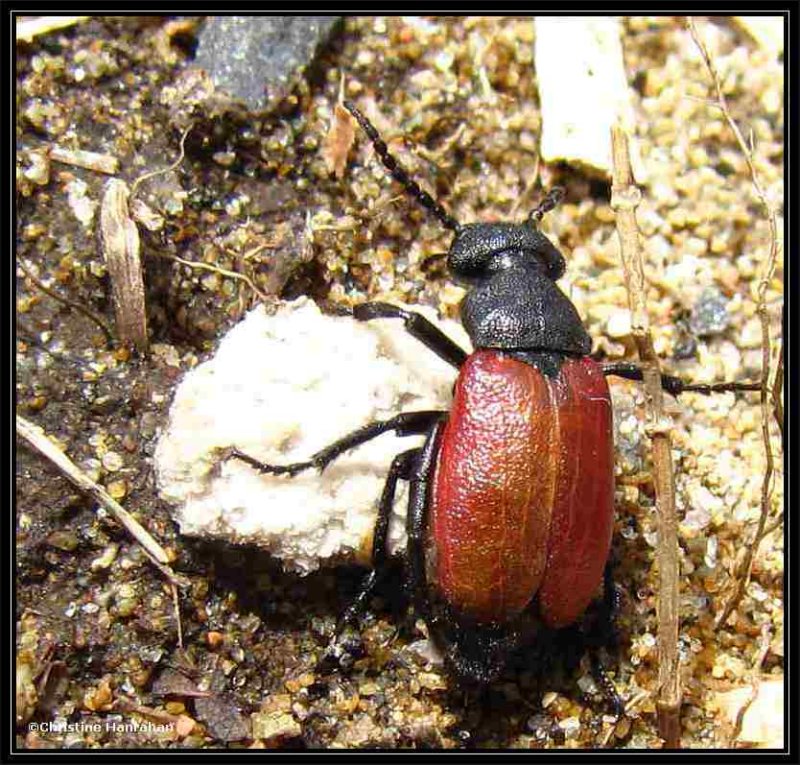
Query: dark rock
(258,59)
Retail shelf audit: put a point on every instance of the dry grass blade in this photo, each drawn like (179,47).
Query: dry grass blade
(625,197)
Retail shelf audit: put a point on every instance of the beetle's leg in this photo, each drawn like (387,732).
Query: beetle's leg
(418,327)
(400,469)
(675,385)
(405,424)
(607,687)
(603,633)
(417,520)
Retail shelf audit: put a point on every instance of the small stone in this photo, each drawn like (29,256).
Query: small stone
(214,639)
(112,461)
(99,699)
(105,560)
(63,540)
(431,681)
(571,727)
(710,314)
(268,726)
(619,324)
(117,489)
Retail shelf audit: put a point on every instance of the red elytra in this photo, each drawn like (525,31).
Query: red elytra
(522,500)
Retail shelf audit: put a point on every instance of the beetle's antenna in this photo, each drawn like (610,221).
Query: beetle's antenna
(552,199)
(399,173)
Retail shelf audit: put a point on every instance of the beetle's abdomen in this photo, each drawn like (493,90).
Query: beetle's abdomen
(522,500)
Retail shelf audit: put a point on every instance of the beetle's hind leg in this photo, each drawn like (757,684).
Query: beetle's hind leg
(405,424)
(601,634)
(400,470)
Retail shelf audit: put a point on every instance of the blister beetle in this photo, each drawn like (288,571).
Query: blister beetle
(511,500)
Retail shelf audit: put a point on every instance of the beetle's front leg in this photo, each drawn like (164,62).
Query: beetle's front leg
(405,424)
(418,327)
(675,385)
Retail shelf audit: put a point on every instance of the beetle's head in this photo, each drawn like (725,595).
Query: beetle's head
(481,249)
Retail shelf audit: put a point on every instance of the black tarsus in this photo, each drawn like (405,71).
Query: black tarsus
(674,385)
(399,173)
(405,424)
(418,327)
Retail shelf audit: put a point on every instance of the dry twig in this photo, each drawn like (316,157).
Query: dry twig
(216,270)
(625,197)
(742,573)
(35,437)
(162,171)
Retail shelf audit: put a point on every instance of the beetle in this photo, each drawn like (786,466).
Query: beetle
(511,496)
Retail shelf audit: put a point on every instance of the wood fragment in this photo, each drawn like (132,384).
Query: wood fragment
(625,197)
(35,437)
(583,92)
(29,29)
(119,239)
(339,139)
(89,160)
(768,407)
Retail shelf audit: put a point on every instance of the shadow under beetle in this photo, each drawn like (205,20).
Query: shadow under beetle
(511,501)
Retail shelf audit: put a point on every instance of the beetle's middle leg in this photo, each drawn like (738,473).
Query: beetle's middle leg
(401,469)
(417,520)
(405,424)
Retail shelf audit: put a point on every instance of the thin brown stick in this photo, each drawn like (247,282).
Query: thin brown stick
(625,197)
(68,303)
(777,392)
(742,574)
(36,438)
(176,602)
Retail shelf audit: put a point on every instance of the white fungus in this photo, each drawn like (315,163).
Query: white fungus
(281,387)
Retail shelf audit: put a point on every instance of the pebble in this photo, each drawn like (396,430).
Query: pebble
(257,59)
